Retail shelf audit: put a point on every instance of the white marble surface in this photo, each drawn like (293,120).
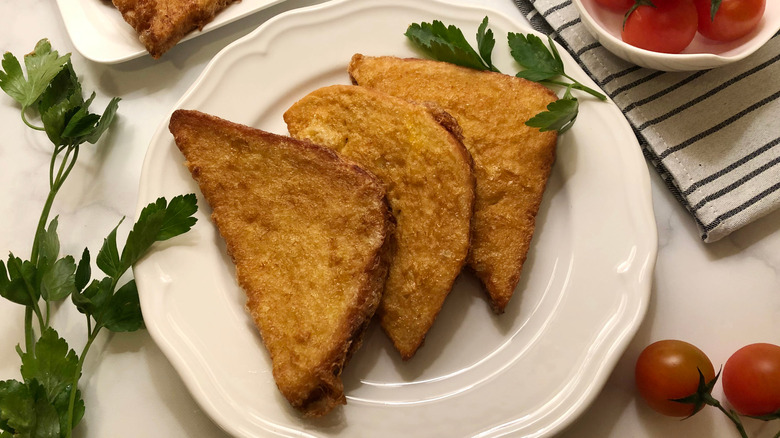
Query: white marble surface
(718,296)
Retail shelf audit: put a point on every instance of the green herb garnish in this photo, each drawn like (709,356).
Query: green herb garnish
(47,402)
(540,64)
(447,43)
(560,115)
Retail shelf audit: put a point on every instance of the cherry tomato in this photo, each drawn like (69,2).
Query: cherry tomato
(667,370)
(751,379)
(616,5)
(734,19)
(666,26)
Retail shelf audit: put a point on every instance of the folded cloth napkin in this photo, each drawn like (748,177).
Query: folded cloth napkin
(712,135)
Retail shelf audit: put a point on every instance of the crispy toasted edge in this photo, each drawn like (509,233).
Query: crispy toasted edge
(330,393)
(357,58)
(498,297)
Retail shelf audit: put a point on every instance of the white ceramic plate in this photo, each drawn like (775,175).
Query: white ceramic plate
(701,54)
(100,34)
(529,371)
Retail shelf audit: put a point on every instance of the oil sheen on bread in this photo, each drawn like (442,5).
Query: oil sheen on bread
(416,151)
(512,161)
(308,233)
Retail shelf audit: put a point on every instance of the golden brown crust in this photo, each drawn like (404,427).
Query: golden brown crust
(308,232)
(160,24)
(430,185)
(512,161)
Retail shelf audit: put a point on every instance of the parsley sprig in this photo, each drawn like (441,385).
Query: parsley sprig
(447,43)
(540,64)
(47,403)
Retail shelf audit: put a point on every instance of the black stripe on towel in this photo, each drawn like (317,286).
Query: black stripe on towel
(556,8)
(729,188)
(704,96)
(735,211)
(664,92)
(719,126)
(731,167)
(649,77)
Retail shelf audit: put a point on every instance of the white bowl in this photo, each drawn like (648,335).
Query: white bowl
(701,54)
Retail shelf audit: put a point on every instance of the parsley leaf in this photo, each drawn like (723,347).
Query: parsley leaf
(123,313)
(93,298)
(17,282)
(54,277)
(15,406)
(49,243)
(103,123)
(83,271)
(447,43)
(13,289)
(108,257)
(530,52)
(62,404)
(59,280)
(25,412)
(120,310)
(485,43)
(65,114)
(52,363)
(64,87)
(159,221)
(560,115)
(59,102)
(42,65)
(81,122)
(540,64)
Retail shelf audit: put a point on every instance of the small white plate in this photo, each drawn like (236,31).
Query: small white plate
(528,372)
(701,54)
(100,34)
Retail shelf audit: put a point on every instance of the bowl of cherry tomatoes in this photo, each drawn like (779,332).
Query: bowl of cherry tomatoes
(681,35)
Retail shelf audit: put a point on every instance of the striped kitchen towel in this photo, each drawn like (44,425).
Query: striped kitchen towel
(712,135)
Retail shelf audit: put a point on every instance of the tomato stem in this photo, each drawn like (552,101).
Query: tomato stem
(712,401)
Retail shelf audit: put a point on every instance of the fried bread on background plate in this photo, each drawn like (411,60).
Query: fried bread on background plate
(415,150)
(512,161)
(160,24)
(308,232)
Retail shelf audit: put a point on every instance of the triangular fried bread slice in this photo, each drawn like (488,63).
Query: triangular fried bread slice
(415,150)
(512,161)
(160,24)
(307,231)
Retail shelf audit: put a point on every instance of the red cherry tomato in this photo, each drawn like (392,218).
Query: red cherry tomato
(668,370)
(616,5)
(751,379)
(666,26)
(734,19)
